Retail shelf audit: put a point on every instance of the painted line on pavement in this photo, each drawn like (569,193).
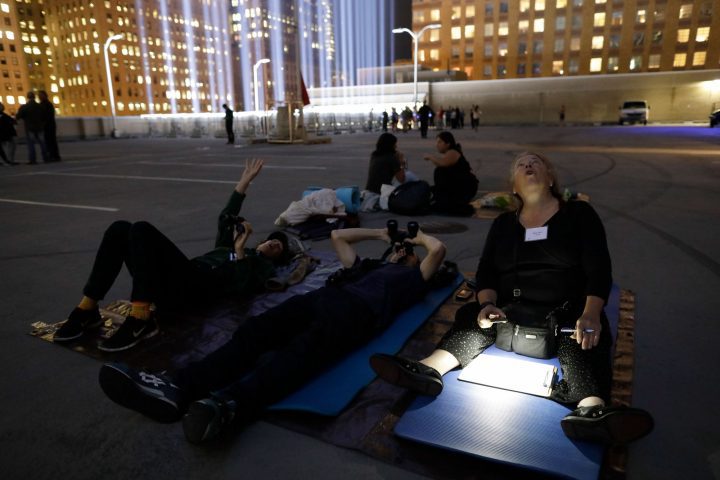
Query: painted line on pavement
(233,165)
(137,177)
(59,205)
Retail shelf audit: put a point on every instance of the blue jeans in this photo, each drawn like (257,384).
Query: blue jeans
(32,139)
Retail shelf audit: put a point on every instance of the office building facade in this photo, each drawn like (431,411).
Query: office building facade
(495,39)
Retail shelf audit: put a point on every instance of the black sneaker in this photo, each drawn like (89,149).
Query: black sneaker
(131,332)
(206,419)
(77,323)
(153,395)
(407,374)
(607,425)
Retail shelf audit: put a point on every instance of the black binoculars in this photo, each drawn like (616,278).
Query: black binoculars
(398,237)
(233,221)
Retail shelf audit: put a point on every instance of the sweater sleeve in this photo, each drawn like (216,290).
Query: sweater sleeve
(225,231)
(594,256)
(486,275)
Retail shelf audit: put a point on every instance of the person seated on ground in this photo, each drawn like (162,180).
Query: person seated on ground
(547,254)
(272,354)
(163,275)
(455,183)
(387,165)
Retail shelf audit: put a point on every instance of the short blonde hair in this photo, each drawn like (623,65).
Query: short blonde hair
(554,184)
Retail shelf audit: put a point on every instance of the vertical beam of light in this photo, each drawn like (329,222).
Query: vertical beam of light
(209,63)
(245,64)
(227,52)
(277,31)
(190,46)
(383,35)
(305,61)
(218,52)
(168,56)
(321,12)
(143,49)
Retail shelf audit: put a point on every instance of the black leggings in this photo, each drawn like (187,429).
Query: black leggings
(161,272)
(586,373)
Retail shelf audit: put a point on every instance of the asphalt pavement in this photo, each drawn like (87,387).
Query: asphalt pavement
(655,187)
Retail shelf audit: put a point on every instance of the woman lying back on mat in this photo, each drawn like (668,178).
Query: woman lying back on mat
(163,275)
(547,256)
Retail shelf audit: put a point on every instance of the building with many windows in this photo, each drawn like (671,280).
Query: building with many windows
(14,78)
(495,39)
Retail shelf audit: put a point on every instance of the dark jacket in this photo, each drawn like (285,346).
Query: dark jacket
(7,127)
(33,114)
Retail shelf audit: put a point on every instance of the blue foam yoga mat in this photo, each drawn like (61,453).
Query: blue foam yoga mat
(330,392)
(504,426)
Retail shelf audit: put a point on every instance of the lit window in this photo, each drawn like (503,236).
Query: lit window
(557,67)
(469,31)
(435,15)
(680,60)
(597,42)
(654,61)
(421,55)
(539,25)
(636,63)
(434,35)
(561,4)
(595,64)
(612,64)
(617,17)
(641,16)
(10,35)
(600,2)
(434,54)
(470,11)
(539,5)
(489,29)
(599,19)
(502,49)
(702,34)
(524,6)
(456,33)
(683,35)
(698,59)
(4,7)
(523,26)
(503,29)
(685,11)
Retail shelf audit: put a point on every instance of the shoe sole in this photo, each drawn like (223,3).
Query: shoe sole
(198,425)
(123,390)
(388,368)
(129,345)
(85,329)
(615,428)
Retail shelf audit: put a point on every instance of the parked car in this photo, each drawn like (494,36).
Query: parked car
(715,118)
(634,111)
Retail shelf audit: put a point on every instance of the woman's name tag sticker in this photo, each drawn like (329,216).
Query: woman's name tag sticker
(535,234)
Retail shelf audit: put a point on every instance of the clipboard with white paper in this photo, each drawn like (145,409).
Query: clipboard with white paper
(511,374)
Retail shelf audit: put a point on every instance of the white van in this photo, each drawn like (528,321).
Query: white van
(634,111)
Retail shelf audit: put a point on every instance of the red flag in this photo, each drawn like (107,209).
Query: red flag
(304,92)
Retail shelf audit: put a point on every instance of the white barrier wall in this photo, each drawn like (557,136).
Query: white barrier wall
(673,97)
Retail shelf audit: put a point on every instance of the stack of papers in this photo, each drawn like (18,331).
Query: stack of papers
(511,374)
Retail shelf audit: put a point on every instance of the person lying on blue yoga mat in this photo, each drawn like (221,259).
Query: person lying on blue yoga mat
(548,261)
(163,275)
(274,353)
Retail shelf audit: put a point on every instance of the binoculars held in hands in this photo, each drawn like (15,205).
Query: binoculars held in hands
(231,221)
(399,237)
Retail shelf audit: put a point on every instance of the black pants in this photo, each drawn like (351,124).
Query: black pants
(229,130)
(423,128)
(586,373)
(276,352)
(161,272)
(51,142)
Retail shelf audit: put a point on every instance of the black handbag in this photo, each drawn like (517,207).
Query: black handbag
(530,330)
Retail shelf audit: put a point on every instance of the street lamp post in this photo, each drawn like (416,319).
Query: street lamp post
(118,36)
(416,38)
(255,79)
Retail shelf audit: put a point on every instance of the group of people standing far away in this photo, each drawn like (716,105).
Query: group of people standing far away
(40,130)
